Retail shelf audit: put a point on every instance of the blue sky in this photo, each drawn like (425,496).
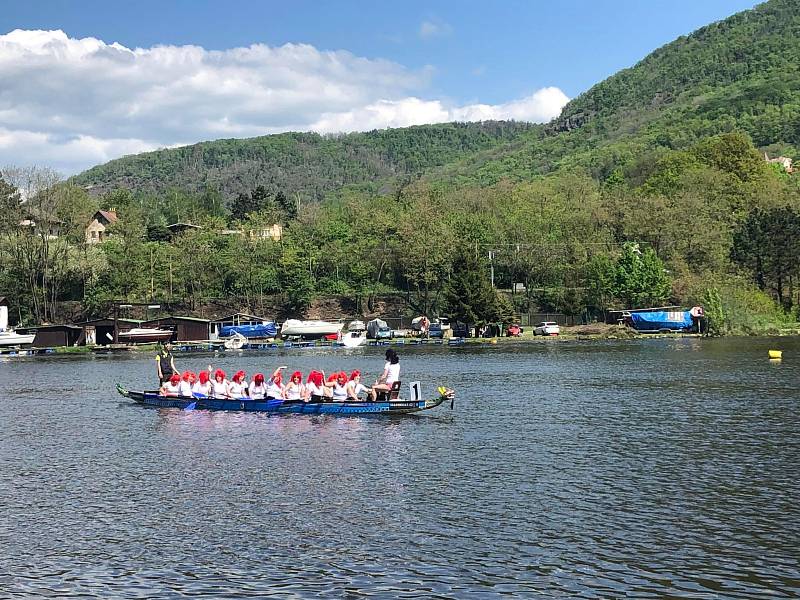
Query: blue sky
(326,66)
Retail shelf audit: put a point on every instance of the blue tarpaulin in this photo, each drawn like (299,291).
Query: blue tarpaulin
(679,320)
(265,330)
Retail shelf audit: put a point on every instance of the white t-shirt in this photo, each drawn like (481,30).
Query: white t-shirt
(274,390)
(257,392)
(294,391)
(393,374)
(202,388)
(339,392)
(313,389)
(171,389)
(358,388)
(186,388)
(237,390)
(219,389)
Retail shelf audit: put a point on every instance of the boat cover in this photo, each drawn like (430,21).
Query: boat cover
(262,330)
(655,321)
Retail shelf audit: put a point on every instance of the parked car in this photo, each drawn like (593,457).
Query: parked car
(547,328)
(435,330)
(514,331)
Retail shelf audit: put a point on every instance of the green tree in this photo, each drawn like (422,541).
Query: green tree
(469,296)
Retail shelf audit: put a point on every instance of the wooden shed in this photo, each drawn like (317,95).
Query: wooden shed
(51,336)
(102,332)
(187,329)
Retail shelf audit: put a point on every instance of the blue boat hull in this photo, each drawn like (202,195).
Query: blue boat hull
(152,399)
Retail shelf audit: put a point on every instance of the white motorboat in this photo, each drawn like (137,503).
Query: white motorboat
(143,335)
(354,339)
(11,338)
(235,342)
(8,337)
(356,326)
(309,329)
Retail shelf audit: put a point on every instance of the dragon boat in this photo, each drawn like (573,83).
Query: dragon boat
(393,406)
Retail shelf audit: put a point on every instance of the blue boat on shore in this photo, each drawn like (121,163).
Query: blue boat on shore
(394,406)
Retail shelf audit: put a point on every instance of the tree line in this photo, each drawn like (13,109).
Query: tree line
(660,230)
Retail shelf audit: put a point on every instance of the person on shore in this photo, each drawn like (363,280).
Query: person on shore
(219,385)
(295,390)
(355,387)
(258,389)
(187,381)
(237,386)
(165,363)
(391,373)
(171,387)
(275,385)
(202,386)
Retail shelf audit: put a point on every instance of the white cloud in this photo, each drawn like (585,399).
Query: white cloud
(431,29)
(72,103)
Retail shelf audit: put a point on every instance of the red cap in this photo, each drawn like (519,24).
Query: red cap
(297,375)
(175,378)
(239,376)
(258,378)
(219,373)
(203,376)
(355,374)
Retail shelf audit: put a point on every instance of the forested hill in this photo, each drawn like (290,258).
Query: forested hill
(741,73)
(305,163)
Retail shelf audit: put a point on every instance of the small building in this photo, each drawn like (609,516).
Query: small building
(51,336)
(783,161)
(274,232)
(102,332)
(236,319)
(96,229)
(187,329)
(39,221)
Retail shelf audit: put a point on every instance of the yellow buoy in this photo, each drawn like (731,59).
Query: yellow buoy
(775,353)
(493,341)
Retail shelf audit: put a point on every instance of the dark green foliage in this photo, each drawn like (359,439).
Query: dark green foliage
(767,244)
(469,296)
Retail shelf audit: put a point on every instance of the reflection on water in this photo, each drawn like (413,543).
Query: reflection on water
(640,468)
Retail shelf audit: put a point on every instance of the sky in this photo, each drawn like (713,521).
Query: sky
(83,82)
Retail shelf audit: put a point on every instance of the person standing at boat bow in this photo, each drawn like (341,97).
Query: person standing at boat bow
(165,363)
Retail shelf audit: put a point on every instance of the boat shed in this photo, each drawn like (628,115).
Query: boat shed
(236,319)
(187,329)
(50,336)
(102,331)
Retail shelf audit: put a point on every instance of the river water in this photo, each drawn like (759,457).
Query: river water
(647,468)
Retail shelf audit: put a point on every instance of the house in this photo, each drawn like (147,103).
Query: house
(783,161)
(102,332)
(273,232)
(38,220)
(96,229)
(187,329)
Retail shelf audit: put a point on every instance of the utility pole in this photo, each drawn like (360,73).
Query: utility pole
(491,265)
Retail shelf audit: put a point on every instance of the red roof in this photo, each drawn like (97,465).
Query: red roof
(109,215)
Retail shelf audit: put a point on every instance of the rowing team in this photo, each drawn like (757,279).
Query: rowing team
(338,387)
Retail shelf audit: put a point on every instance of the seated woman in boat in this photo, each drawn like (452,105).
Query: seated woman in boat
(338,386)
(355,387)
(258,389)
(316,390)
(275,385)
(202,387)
(295,390)
(172,387)
(187,380)
(219,385)
(237,386)
(391,373)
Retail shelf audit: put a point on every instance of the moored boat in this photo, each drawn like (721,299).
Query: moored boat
(354,339)
(143,335)
(12,338)
(309,329)
(395,406)
(261,330)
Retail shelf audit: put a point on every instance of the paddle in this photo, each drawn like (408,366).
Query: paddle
(192,405)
